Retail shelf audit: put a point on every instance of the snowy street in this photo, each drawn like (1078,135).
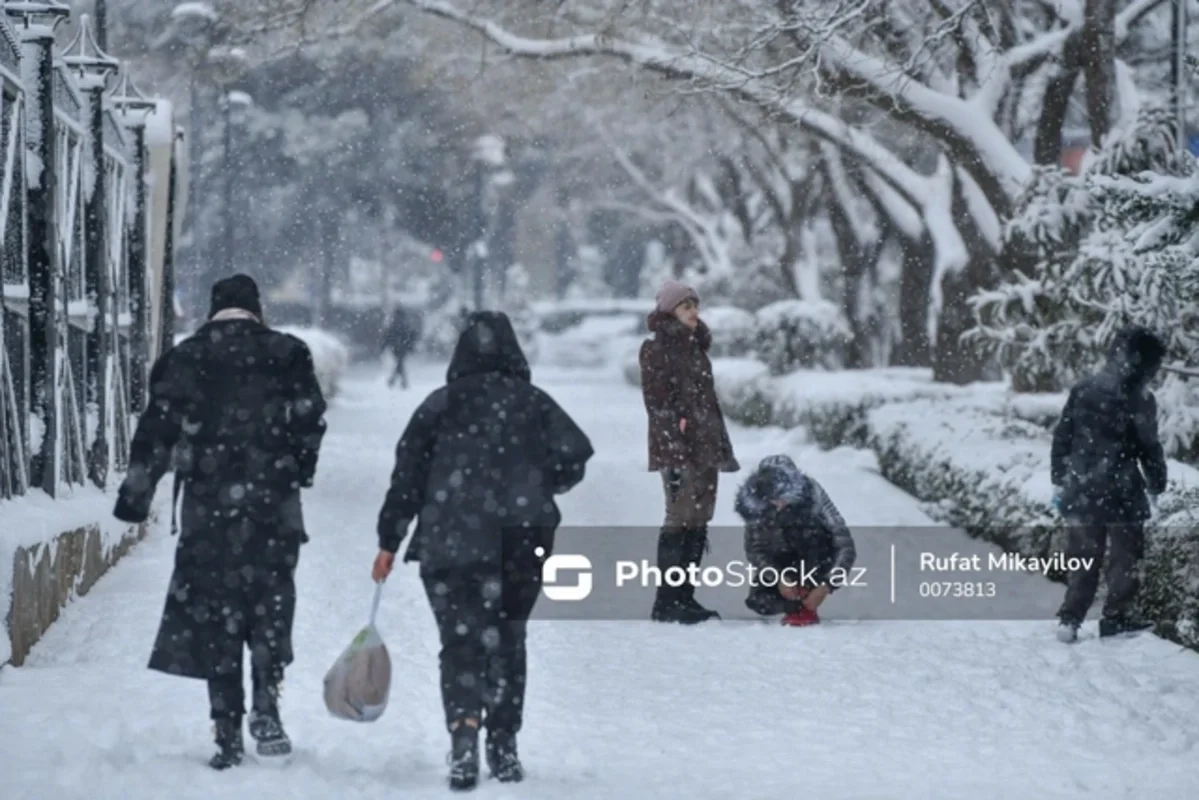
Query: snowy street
(876,709)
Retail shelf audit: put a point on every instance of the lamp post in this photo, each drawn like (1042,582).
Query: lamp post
(92,67)
(134,108)
(233,106)
(35,23)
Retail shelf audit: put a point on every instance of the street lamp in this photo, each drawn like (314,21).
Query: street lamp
(239,102)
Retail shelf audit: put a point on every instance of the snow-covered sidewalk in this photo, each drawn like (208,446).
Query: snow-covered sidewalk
(872,709)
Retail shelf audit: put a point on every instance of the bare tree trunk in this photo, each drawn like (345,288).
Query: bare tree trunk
(1099,65)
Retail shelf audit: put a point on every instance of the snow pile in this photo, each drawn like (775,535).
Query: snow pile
(37,519)
(801,334)
(329,354)
(987,472)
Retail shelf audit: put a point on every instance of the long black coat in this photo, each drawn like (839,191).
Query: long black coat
(1107,435)
(238,409)
(481,459)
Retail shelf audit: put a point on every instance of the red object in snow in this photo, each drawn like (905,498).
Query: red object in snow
(436,256)
(803,617)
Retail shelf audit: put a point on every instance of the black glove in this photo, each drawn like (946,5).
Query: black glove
(132,507)
(674,481)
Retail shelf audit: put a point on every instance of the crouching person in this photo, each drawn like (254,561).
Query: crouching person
(241,407)
(792,530)
(478,468)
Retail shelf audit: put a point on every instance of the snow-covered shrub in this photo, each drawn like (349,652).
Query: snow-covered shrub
(733,330)
(1093,253)
(833,405)
(801,334)
(330,355)
(988,473)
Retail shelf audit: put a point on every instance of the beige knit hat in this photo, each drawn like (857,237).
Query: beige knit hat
(672,293)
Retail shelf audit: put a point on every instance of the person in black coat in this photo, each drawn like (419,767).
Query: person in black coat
(796,541)
(478,467)
(1106,436)
(400,338)
(238,409)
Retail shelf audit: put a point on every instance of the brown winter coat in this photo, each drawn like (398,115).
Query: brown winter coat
(677,383)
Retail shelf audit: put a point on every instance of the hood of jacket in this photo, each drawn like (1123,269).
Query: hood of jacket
(668,325)
(776,478)
(488,344)
(1135,355)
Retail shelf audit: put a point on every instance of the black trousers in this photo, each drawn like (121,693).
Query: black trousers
(267,611)
(400,371)
(1125,545)
(482,617)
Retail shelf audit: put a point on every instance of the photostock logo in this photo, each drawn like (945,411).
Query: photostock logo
(565,562)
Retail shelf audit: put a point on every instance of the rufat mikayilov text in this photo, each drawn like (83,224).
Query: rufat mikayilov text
(1002,562)
(736,574)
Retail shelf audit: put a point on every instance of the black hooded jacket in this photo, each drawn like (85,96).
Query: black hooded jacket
(483,455)
(1107,435)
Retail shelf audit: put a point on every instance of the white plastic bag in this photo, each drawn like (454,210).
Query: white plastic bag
(359,682)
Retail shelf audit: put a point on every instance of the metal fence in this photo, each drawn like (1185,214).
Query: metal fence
(89,176)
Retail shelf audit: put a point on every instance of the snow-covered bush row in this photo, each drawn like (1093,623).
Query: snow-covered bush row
(801,334)
(329,355)
(988,473)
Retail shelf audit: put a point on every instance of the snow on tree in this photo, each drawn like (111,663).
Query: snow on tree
(1117,245)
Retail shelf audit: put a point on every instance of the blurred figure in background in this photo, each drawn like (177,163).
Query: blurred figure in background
(401,337)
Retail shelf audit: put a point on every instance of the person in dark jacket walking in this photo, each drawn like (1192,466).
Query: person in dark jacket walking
(400,338)
(796,541)
(478,467)
(1106,436)
(688,441)
(239,409)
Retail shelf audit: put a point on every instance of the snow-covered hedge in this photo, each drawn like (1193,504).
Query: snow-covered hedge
(329,355)
(801,334)
(733,331)
(987,472)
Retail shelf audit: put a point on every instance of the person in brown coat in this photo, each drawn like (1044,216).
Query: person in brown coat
(688,442)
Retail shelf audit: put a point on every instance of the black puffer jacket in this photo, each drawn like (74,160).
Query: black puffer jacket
(482,456)
(1107,435)
(808,527)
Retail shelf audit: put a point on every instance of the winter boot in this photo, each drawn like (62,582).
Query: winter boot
(696,543)
(502,760)
(464,758)
(231,748)
(1123,627)
(677,603)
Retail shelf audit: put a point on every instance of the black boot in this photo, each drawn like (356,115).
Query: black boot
(502,759)
(679,547)
(464,758)
(265,724)
(231,748)
(694,547)
(1123,627)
